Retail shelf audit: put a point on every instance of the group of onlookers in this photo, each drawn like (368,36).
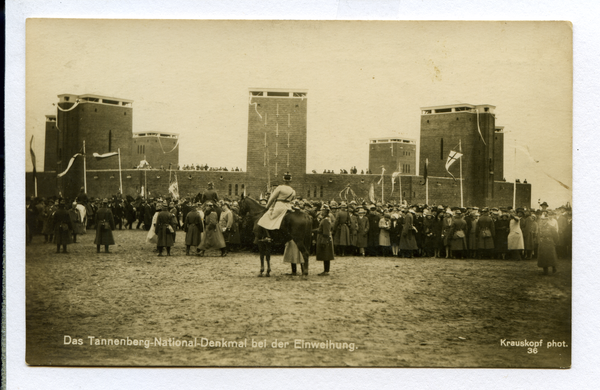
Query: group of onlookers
(356,229)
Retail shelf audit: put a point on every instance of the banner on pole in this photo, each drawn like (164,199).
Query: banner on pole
(105,155)
(71,161)
(452,157)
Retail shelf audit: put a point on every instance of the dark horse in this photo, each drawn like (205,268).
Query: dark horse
(296,225)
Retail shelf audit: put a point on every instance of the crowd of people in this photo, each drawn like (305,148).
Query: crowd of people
(353,171)
(197,167)
(353,228)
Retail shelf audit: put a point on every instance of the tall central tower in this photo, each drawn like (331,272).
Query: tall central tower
(444,128)
(276,134)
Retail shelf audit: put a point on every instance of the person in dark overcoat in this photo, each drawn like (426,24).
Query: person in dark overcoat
(63,227)
(48,226)
(129,214)
(193,229)
(395,231)
(341,229)
(548,239)
(118,210)
(164,228)
(210,195)
(485,234)
(353,229)
(373,236)
(430,243)
(213,237)
(438,226)
(148,214)
(408,242)
(363,231)
(105,224)
(502,227)
(324,241)
(446,228)
(458,236)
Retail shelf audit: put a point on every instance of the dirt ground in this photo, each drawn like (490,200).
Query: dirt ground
(422,312)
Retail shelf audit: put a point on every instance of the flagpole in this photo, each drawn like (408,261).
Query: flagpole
(426,183)
(515,180)
(400,187)
(145,178)
(120,176)
(461,178)
(427,191)
(84,170)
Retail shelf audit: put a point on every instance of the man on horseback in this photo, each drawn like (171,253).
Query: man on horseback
(210,195)
(278,205)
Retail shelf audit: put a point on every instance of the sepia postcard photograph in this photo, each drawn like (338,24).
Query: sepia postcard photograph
(298,193)
(270,193)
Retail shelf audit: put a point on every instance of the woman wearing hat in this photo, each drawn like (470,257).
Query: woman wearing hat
(408,242)
(485,234)
(515,237)
(63,227)
(446,229)
(324,241)
(385,224)
(341,229)
(458,237)
(362,231)
(395,230)
(548,239)
(430,241)
(105,224)
(472,234)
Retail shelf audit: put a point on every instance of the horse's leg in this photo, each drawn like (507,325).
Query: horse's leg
(261,251)
(268,256)
(262,264)
(304,251)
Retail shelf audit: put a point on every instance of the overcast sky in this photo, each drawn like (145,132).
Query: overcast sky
(364,80)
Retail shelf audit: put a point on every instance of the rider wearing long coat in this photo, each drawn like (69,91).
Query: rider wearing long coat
(280,202)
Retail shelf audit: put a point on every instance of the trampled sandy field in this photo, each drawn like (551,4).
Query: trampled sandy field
(392,312)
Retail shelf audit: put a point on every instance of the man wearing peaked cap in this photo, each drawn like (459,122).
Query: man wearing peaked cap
(105,224)
(210,194)
(63,226)
(165,229)
(278,205)
(341,230)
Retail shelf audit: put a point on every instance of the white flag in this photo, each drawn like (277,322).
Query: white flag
(394,175)
(452,157)
(174,188)
(105,155)
(71,161)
